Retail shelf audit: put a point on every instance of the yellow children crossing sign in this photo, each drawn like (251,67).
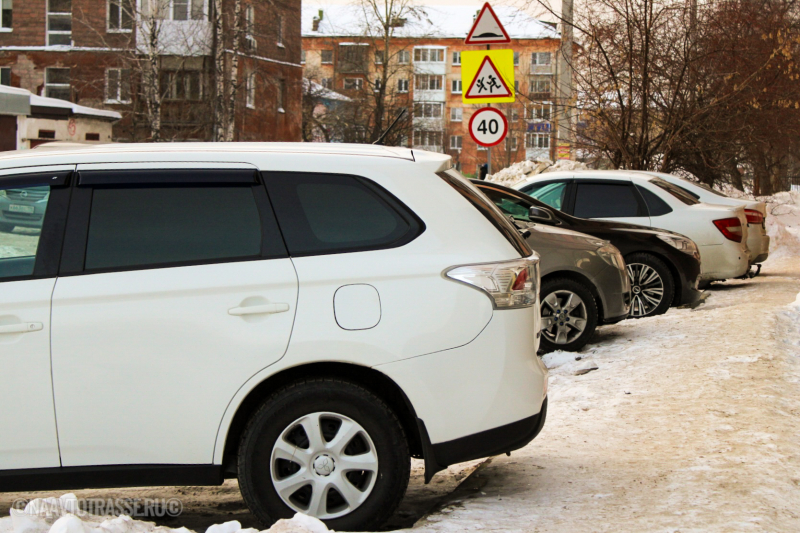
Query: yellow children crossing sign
(488,76)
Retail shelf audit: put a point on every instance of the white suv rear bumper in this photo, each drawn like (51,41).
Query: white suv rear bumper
(494,381)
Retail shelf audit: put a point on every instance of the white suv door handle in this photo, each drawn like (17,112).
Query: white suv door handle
(266,309)
(24,327)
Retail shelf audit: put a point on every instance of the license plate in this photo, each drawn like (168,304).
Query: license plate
(14,208)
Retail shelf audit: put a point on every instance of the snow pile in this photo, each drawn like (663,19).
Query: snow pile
(790,324)
(783,223)
(519,171)
(63,515)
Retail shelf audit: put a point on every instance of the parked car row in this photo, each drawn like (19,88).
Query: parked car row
(308,317)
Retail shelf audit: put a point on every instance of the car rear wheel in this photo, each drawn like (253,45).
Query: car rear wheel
(569,315)
(326,448)
(652,286)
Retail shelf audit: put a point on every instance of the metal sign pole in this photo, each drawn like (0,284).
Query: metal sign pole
(488,149)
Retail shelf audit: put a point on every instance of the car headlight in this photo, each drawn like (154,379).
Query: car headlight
(683,244)
(611,255)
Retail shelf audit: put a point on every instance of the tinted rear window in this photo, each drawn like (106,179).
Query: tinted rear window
(675,191)
(147,226)
(334,213)
(655,205)
(605,200)
(487,209)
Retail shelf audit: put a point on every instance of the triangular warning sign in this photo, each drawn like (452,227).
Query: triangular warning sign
(487,28)
(488,83)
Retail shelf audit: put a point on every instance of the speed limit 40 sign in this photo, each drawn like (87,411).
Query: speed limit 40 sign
(488,126)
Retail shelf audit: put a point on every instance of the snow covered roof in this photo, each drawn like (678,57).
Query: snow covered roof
(69,108)
(315,89)
(431,21)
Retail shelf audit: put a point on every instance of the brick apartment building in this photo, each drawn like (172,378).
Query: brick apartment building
(342,53)
(157,62)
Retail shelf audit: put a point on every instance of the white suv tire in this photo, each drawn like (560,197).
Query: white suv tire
(315,465)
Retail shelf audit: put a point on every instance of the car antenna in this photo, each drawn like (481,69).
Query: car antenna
(387,130)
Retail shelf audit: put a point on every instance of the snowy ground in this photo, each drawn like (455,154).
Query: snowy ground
(683,422)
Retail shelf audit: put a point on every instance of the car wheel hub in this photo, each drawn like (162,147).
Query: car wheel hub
(564,317)
(324,465)
(647,289)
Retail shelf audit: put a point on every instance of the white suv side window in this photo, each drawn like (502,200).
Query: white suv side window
(21,217)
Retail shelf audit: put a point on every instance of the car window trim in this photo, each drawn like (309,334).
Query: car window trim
(163,176)
(48,249)
(73,256)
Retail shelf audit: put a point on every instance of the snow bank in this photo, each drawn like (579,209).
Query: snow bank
(523,169)
(783,223)
(63,515)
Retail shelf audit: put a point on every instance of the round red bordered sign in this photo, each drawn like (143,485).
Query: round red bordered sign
(488,126)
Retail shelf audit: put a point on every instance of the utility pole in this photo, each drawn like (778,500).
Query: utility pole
(565,83)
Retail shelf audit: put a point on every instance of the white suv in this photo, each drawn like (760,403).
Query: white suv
(302,317)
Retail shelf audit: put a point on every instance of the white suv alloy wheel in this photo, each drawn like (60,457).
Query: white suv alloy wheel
(324,465)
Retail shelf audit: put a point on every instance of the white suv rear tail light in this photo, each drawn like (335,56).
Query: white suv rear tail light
(510,284)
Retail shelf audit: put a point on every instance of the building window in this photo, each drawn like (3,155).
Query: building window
(404,57)
(120,16)
(427,82)
(327,83)
(455,86)
(377,86)
(326,57)
(402,85)
(429,55)
(455,142)
(353,84)
(512,143)
(5,76)
(5,16)
(540,59)
(182,85)
(118,86)
(516,86)
(180,9)
(540,87)
(92,137)
(537,140)
(352,58)
(57,83)
(280,97)
(514,115)
(516,59)
(427,138)
(303,57)
(481,148)
(251,45)
(379,57)
(456,114)
(59,22)
(540,112)
(250,90)
(428,110)
(47,134)
(279,28)
(456,58)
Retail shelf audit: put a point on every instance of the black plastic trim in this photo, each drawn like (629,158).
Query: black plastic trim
(487,443)
(109,476)
(58,178)
(200,176)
